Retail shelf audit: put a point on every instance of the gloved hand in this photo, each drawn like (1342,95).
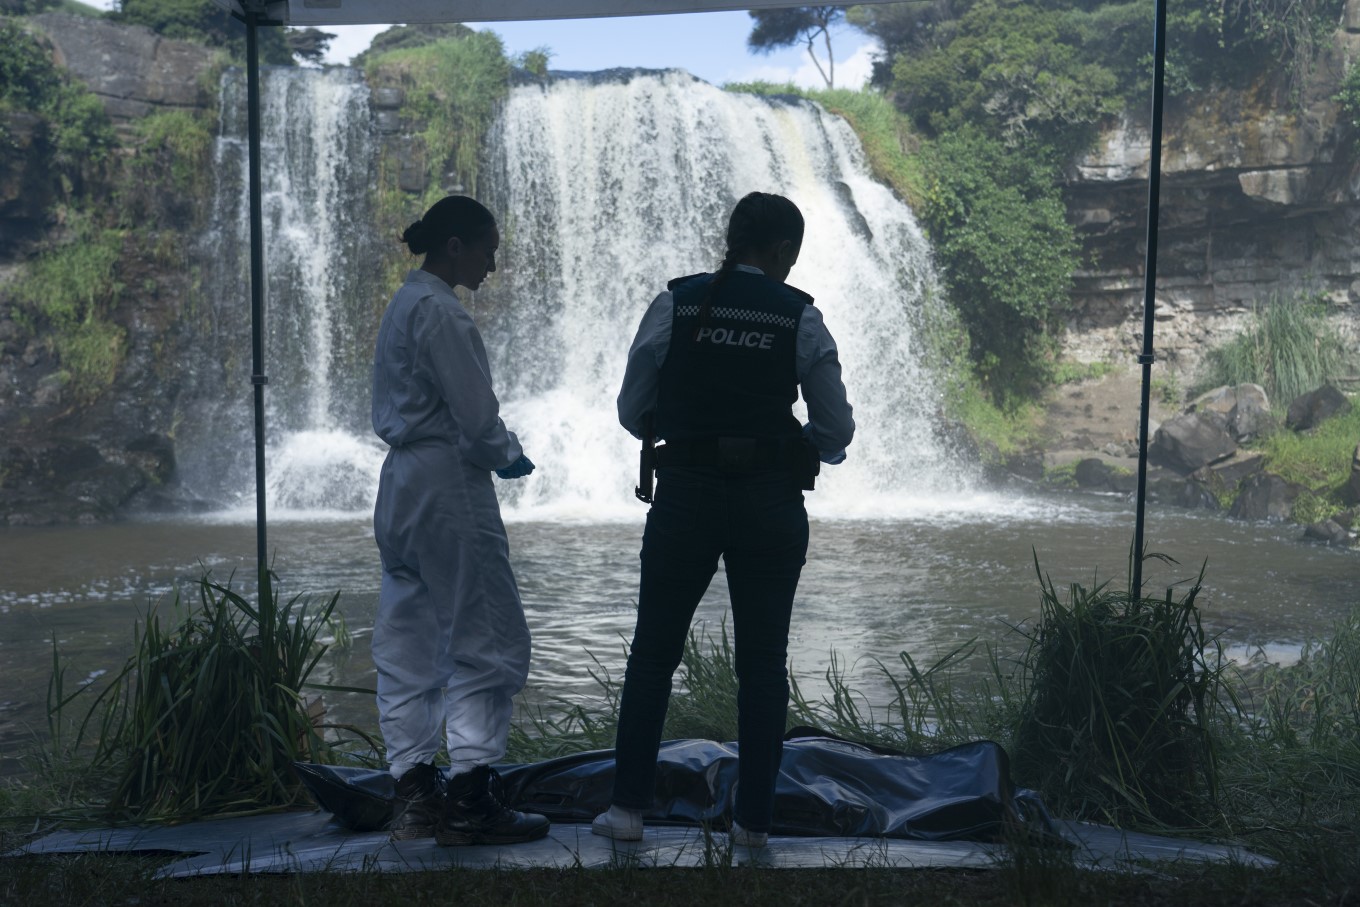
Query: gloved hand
(518,469)
(830,459)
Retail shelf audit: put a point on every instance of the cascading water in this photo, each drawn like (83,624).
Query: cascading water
(611,184)
(317,149)
(605,186)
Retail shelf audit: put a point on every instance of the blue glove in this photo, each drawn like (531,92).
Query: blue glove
(830,459)
(518,469)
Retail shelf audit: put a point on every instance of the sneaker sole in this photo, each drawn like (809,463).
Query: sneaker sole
(615,834)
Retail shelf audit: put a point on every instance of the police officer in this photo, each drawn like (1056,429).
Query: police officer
(450,641)
(715,368)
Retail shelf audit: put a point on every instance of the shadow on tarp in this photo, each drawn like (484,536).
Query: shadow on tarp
(826,787)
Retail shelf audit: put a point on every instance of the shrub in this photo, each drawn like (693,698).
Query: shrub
(207,716)
(1288,348)
(1007,254)
(1115,722)
(69,295)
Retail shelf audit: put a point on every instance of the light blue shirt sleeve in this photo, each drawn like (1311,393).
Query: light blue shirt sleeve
(642,377)
(831,424)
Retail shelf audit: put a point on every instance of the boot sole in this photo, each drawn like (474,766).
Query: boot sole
(463,839)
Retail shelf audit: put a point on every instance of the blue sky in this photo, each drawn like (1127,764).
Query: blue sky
(712,46)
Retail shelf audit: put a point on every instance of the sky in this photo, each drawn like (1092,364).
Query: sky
(712,46)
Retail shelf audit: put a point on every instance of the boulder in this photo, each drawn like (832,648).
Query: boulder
(1350,492)
(1188,493)
(1266,496)
(1192,440)
(1328,532)
(1315,407)
(1245,408)
(1092,473)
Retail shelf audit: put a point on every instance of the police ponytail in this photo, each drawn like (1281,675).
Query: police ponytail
(760,219)
(453,215)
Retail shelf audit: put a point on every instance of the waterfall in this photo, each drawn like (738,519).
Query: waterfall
(605,186)
(317,149)
(609,185)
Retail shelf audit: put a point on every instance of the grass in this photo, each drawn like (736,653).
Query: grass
(1114,708)
(205,718)
(1288,347)
(885,134)
(1119,699)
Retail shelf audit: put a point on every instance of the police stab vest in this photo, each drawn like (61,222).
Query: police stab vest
(734,372)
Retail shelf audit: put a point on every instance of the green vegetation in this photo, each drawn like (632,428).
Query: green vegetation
(1068,372)
(1007,253)
(78,133)
(1320,459)
(1113,708)
(451,87)
(1288,348)
(72,291)
(534,61)
(1349,99)
(203,22)
(207,716)
(1119,696)
(888,142)
(174,141)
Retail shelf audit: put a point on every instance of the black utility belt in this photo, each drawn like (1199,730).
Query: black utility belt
(740,455)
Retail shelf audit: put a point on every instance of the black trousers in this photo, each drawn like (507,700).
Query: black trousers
(758,525)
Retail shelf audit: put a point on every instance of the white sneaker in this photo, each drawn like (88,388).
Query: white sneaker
(619,823)
(744,838)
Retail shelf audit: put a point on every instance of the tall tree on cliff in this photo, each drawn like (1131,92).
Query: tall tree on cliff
(775,28)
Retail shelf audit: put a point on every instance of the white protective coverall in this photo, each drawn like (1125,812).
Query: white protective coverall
(450,642)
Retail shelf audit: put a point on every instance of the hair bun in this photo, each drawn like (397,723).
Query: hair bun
(416,238)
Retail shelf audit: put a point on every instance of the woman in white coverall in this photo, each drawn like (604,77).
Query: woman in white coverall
(450,641)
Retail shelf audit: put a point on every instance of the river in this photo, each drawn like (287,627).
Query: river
(871,589)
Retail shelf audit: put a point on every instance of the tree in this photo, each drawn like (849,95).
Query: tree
(308,44)
(786,27)
(205,22)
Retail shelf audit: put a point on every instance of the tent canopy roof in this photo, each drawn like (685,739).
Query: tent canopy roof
(376,12)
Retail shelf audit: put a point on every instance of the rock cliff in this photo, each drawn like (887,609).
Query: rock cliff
(1260,199)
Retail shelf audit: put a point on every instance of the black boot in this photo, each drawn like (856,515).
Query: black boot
(475,813)
(418,805)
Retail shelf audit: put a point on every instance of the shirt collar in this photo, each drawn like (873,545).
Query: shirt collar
(749,269)
(425,277)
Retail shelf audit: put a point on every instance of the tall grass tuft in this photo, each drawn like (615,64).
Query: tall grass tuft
(1288,348)
(207,715)
(1120,694)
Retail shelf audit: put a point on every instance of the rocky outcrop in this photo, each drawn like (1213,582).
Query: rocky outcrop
(130,68)
(1260,198)
(64,457)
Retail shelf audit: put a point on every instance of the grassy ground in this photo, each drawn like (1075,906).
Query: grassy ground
(128,880)
(1121,711)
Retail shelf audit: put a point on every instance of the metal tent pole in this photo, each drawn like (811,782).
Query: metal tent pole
(1149,289)
(257,377)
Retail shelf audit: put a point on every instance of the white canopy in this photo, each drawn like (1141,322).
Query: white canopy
(302,13)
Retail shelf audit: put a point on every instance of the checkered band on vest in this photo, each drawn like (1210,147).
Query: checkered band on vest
(689,311)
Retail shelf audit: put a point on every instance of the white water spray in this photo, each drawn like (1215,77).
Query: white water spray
(610,187)
(605,187)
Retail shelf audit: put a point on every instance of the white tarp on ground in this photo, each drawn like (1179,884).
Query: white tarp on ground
(312,842)
(370,12)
